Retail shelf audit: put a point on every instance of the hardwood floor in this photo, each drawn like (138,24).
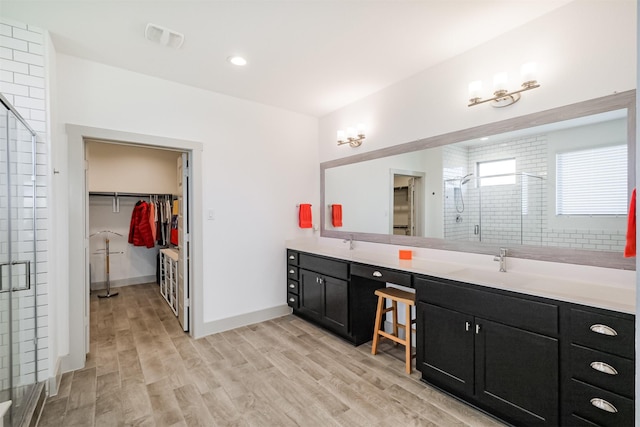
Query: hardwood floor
(142,370)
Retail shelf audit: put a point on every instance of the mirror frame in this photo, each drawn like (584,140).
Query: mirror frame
(622,100)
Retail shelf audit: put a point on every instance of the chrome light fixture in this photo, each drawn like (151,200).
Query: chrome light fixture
(353,136)
(501,96)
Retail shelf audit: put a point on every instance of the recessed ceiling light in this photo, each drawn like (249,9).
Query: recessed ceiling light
(237,60)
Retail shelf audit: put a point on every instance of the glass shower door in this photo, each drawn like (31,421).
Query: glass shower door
(18,321)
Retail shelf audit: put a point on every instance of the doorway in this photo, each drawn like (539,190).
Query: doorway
(138,221)
(406,203)
(77,247)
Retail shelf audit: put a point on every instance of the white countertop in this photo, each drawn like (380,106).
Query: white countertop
(606,288)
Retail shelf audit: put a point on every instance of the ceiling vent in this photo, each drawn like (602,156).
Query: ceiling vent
(164,36)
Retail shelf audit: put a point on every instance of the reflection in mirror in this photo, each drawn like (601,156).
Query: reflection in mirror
(564,184)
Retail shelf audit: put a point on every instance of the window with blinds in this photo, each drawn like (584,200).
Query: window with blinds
(592,181)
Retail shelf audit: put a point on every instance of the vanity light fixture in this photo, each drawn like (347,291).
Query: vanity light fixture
(501,96)
(353,136)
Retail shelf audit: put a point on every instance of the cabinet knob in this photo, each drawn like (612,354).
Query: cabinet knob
(377,274)
(291,285)
(292,300)
(291,271)
(604,405)
(292,257)
(467,325)
(603,330)
(604,367)
(477,328)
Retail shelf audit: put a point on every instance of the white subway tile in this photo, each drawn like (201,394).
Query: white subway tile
(14,89)
(35,29)
(16,45)
(36,48)
(28,80)
(36,71)
(11,65)
(30,36)
(6,76)
(28,58)
(5,30)
(21,101)
(6,53)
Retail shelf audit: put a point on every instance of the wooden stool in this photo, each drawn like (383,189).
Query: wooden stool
(396,296)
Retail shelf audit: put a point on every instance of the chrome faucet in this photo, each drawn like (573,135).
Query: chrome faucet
(503,259)
(350,240)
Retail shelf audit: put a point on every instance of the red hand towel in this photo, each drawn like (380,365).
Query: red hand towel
(336,215)
(630,248)
(305,216)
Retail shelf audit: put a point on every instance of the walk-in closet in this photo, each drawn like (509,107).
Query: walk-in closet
(138,228)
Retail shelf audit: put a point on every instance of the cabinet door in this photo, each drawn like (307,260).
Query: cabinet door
(336,303)
(445,348)
(517,373)
(311,294)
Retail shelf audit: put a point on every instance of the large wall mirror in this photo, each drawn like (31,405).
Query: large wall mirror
(552,186)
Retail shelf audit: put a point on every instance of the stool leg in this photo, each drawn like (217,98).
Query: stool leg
(394,305)
(407,332)
(376,328)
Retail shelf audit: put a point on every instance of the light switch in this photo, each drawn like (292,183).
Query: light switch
(210,215)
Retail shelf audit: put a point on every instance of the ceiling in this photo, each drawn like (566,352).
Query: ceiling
(308,56)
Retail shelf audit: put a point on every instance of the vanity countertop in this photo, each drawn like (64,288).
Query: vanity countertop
(609,289)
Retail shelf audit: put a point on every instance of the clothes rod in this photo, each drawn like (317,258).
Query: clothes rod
(117,194)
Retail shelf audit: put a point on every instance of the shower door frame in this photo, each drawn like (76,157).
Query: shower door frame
(29,271)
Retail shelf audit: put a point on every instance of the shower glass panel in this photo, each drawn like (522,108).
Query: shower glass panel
(511,214)
(503,214)
(18,321)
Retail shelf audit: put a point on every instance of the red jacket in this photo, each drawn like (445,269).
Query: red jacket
(140,230)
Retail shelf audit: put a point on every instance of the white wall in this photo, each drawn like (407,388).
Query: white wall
(578,59)
(128,169)
(258,163)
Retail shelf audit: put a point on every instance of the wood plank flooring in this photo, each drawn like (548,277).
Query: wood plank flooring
(142,370)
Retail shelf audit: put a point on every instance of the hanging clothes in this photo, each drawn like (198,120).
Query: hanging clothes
(140,229)
(152,220)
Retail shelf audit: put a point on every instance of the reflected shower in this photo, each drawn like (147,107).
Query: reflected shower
(457,193)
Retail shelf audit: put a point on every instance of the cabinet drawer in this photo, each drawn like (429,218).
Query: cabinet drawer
(381,274)
(292,287)
(523,313)
(324,266)
(604,370)
(292,300)
(292,257)
(292,272)
(603,332)
(599,406)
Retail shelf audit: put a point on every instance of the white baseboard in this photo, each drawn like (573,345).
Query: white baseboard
(124,282)
(244,319)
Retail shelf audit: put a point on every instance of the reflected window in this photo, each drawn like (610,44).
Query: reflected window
(497,172)
(592,181)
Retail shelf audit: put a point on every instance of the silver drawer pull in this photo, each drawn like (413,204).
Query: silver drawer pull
(292,300)
(604,405)
(292,257)
(604,367)
(291,285)
(604,330)
(377,274)
(291,271)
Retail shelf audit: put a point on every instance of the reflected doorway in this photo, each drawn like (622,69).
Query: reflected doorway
(407,203)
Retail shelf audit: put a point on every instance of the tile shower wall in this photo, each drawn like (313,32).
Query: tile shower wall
(501,220)
(22,83)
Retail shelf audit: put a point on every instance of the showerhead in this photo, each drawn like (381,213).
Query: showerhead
(465,179)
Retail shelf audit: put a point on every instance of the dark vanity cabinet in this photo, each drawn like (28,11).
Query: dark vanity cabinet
(321,290)
(599,369)
(497,351)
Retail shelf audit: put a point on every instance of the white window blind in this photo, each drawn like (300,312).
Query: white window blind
(497,172)
(592,182)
